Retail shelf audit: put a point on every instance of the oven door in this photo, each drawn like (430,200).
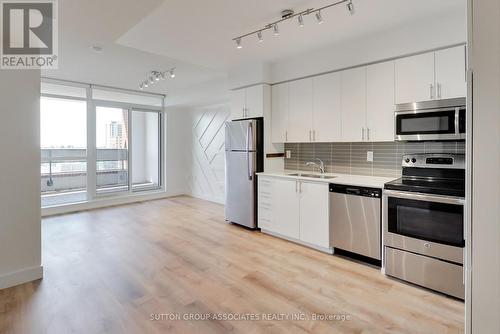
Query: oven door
(437,124)
(426,224)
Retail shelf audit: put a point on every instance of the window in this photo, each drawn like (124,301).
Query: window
(63,151)
(125,154)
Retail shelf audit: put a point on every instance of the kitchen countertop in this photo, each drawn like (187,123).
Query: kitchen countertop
(347,179)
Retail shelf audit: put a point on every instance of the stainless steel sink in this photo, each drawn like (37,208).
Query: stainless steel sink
(314,176)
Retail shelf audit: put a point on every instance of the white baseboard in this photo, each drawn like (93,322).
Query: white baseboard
(21,276)
(109,201)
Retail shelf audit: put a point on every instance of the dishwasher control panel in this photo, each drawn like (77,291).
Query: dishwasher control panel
(356,191)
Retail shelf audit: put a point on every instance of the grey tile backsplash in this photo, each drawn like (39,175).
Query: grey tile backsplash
(350,158)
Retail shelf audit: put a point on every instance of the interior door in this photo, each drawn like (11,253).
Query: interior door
(353,102)
(314,214)
(327,120)
(300,115)
(240,186)
(380,102)
(450,73)
(415,78)
(279,113)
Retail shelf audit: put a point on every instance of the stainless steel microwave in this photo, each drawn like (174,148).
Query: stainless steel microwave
(431,120)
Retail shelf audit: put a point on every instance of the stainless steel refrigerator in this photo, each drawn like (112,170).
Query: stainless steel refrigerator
(244,158)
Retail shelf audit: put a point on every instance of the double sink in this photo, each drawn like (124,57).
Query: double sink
(314,176)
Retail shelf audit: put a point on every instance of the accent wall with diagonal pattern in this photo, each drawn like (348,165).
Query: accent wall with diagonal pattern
(206,158)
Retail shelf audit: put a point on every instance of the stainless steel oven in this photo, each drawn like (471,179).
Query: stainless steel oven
(431,120)
(423,223)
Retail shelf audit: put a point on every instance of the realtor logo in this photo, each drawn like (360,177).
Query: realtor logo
(29,34)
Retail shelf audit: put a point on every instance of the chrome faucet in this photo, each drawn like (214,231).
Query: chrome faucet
(321,165)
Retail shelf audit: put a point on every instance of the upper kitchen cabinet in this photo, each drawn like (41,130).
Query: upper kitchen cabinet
(450,73)
(353,104)
(415,78)
(249,102)
(431,76)
(327,121)
(279,115)
(380,108)
(300,128)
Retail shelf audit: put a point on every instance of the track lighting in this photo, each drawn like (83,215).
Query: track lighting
(318,17)
(155,76)
(288,14)
(350,7)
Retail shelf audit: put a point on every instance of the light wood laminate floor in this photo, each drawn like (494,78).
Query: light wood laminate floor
(109,270)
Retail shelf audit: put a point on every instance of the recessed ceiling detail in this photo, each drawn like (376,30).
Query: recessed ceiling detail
(289,14)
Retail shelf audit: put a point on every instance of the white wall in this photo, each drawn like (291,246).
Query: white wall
(20,229)
(484,52)
(204,151)
(412,37)
(177,146)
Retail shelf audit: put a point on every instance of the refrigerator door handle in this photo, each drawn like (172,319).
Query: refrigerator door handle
(249,134)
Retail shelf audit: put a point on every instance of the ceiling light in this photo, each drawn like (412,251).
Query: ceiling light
(318,17)
(145,84)
(157,77)
(141,86)
(259,36)
(350,7)
(238,43)
(276,30)
(301,20)
(151,80)
(172,74)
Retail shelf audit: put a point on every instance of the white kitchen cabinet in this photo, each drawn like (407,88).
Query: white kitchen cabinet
(327,121)
(380,106)
(279,112)
(415,78)
(450,73)
(249,102)
(295,209)
(300,111)
(314,214)
(353,104)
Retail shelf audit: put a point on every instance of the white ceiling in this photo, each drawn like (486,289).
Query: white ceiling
(195,35)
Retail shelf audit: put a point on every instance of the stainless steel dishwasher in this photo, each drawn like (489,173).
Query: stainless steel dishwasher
(355,220)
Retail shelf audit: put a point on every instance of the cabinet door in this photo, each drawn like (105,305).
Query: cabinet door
(314,214)
(254,101)
(380,102)
(327,121)
(279,113)
(237,104)
(285,208)
(415,78)
(300,116)
(353,104)
(450,73)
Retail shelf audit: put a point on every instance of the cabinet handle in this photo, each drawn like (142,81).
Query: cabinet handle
(309,135)
(368,134)
(363,134)
(286,135)
(296,186)
(439,90)
(432,91)
(300,187)
(314,135)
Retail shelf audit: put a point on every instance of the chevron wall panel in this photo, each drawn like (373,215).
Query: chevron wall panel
(206,157)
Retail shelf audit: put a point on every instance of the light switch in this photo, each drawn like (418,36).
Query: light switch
(369,156)
(288,154)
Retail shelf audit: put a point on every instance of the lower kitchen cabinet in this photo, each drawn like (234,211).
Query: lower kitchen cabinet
(295,209)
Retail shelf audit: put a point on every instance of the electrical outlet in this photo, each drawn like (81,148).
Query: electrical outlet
(288,154)
(369,156)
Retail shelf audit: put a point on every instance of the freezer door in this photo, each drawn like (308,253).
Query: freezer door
(240,188)
(241,135)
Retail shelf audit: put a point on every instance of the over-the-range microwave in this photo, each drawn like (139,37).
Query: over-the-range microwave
(431,120)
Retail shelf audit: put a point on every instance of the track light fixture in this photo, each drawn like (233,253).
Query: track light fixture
(288,14)
(155,76)
(301,20)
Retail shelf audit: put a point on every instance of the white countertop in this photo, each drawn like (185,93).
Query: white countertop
(347,179)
